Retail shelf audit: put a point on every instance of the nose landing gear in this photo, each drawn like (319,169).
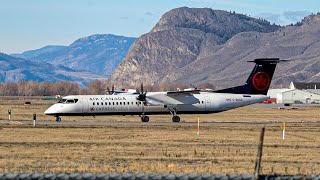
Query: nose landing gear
(58,118)
(145,118)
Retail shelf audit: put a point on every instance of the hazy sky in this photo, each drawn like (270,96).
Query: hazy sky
(31,24)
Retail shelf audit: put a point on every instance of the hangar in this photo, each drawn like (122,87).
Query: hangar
(306,93)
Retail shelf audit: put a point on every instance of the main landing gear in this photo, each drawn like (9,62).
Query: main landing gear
(58,118)
(145,118)
(175,117)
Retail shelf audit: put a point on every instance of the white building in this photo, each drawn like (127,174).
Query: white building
(298,96)
(298,93)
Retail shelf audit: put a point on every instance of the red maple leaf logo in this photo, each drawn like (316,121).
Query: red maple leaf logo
(261,81)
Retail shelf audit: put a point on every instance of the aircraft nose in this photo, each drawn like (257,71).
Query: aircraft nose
(51,110)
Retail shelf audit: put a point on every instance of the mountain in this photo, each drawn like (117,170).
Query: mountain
(14,69)
(182,37)
(99,53)
(196,45)
(34,53)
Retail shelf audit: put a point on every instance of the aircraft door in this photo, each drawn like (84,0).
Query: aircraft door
(136,106)
(85,105)
(207,103)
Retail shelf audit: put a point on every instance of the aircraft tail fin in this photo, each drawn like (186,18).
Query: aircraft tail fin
(259,80)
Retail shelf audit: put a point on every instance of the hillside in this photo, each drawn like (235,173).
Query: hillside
(185,46)
(34,53)
(98,54)
(14,69)
(196,45)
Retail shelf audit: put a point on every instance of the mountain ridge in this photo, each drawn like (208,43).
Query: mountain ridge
(99,53)
(15,69)
(36,52)
(180,38)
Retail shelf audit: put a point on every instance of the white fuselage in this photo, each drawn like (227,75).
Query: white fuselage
(127,104)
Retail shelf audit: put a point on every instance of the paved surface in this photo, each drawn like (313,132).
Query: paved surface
(106,123)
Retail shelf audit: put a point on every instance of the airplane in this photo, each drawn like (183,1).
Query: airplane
(190,101)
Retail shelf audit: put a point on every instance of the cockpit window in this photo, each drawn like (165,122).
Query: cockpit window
(62,100)
(68,101)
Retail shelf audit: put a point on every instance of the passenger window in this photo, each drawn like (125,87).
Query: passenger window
(105,103)
(93,103)
(110,103)
(76,100)
(202,102)
(117,103)
(113,103)
(136,103)
(120,103)
(128,103)
(98,103)
(131,103)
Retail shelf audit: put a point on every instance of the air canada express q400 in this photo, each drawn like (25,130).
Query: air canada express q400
(192,101)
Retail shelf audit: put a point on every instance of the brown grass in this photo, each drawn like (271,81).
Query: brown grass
(159,148)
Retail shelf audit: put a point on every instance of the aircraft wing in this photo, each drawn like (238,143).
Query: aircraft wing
(173,98)
(184,92)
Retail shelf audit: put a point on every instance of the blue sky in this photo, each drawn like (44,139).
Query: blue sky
(31,24)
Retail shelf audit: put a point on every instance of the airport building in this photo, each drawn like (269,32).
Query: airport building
(299,93)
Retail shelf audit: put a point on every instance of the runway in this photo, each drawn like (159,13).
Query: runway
(98,123)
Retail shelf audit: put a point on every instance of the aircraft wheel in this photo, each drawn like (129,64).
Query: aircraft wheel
(175,119)
(58,119)
(145,118)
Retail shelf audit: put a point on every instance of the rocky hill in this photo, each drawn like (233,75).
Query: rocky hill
(190,45)
(186,46)
(34,53)
(99,53)
(14,69)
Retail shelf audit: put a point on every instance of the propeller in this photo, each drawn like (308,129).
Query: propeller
(142,95)
(112,90)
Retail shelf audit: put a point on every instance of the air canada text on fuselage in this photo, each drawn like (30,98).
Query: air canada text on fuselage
(108,99)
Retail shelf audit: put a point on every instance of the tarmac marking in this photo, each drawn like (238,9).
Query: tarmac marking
(11,122)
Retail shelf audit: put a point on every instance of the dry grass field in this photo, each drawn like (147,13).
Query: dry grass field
(159,148)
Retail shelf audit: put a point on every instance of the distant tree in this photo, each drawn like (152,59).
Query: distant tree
(299,23)
(22,88)
(96,87)
(32,88)
(44,89)
(65,88)
(9,89)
